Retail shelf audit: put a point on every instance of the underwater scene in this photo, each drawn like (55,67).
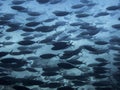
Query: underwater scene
(59,44)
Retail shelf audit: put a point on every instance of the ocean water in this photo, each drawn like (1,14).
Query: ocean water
(59,44)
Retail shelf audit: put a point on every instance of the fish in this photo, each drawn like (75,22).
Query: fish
(82,15)
(100,42)
(18,87)
(28,29)
(15,53)
(3,74)
(91,5)
(100,71)
(14,24)
(77,6)
(119,18)
(104,88)
(6,80)
(7,43)
(25,34)
(13,61)
(54,68)
(50,73)
(93,32)
(32,24)
(116,58)
(66,65)
(19,8)
(29,82)
(117,63)
(33,58)
(101,60)
(117,77)
(88,27)
(118,68)
(18,2)
(22,48)
(101,14)
(97,64)
(75,62)
(24,52)
(94,50)
(11,65)
(8,37)
(61,13)
(1,35)
(48,56)
(31,69)
(116,26)
(76,77)
(54,85)
(49,19)
(11,29)
(79,82)
(112,8)
(2,22)
(47,40)
(9,60)
(89,48)
(114,40)
(44,29)
(43,1)
(7,16)
(1,4)
(99,76)
(116,48)
(65,88)
(84,1)
(20,69)
(102,83)
(31,13)
(55,1)
(26,42)
(70,53)
(60,45)
(75,24)
(101,68)
(2,54)
(117,54)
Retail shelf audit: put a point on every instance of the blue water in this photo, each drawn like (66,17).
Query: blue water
(59,44)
